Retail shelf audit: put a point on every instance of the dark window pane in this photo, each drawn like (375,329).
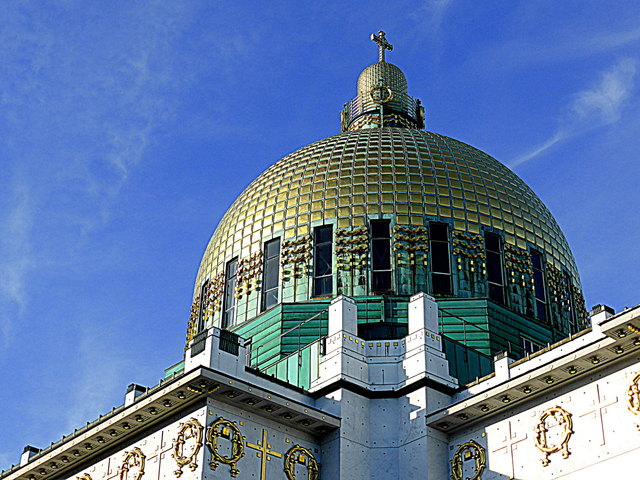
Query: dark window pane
(539,284)
(270,299)
(569,299)
(496,293)
(492,242)
(322,286)
(441,284)
(323,234)
(494,267)
(272,248)
(232,267)
(381,281)
(229,310)
(536,260)
(380,229)
(439,231)
(271,273)
(440,257)
(201,323)
(323,260)
(541,311)
(381,255)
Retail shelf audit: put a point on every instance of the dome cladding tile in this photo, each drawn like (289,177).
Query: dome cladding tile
(410,175)
(390,75)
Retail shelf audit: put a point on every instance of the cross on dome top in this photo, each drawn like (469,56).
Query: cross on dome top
(382,44)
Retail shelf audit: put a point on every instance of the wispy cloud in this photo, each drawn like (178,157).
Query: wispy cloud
(16,255)
(595,107)
(428,18)
(79,109)
(433,12)
(553,47)
(98,357)
(15,243)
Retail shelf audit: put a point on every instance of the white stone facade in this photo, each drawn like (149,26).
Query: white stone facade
(377,410)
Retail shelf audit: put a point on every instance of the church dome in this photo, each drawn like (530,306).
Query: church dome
(458,223)
(406,175)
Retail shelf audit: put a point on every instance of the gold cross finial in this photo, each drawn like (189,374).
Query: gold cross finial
(382,44)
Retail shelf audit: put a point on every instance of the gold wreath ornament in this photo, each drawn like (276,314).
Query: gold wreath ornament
(189,438)
(633,397)
(302,456)
(468,451)
(226,429)
(561,418)
(134,458)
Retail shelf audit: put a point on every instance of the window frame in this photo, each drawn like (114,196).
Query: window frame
(379,272)
(441,274)
(265,272)
(230,283)
(542,288)
(319,280)
(500,256)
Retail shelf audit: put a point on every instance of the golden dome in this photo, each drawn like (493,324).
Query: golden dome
(405,175)
(390,75)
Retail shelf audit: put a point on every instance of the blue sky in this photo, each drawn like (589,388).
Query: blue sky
(128,128)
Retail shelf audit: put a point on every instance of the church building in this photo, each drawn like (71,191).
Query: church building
(386,303)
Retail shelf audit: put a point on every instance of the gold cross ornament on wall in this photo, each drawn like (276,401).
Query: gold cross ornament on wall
(264,453)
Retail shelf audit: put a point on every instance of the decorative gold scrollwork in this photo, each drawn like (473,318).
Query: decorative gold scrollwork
(467,451)
(302,456)
(227,429)
(562,418)
(633,397)
(189,434)
(86,476)
(134,458)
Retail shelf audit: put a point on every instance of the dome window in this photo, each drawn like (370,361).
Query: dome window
(539,285)
(381,256)
(440,258)
(495,277)
(231,279)
(568,302)
(323,261)
(202,309)
(271,274)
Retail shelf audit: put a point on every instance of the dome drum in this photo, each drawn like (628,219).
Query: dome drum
(364,111)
